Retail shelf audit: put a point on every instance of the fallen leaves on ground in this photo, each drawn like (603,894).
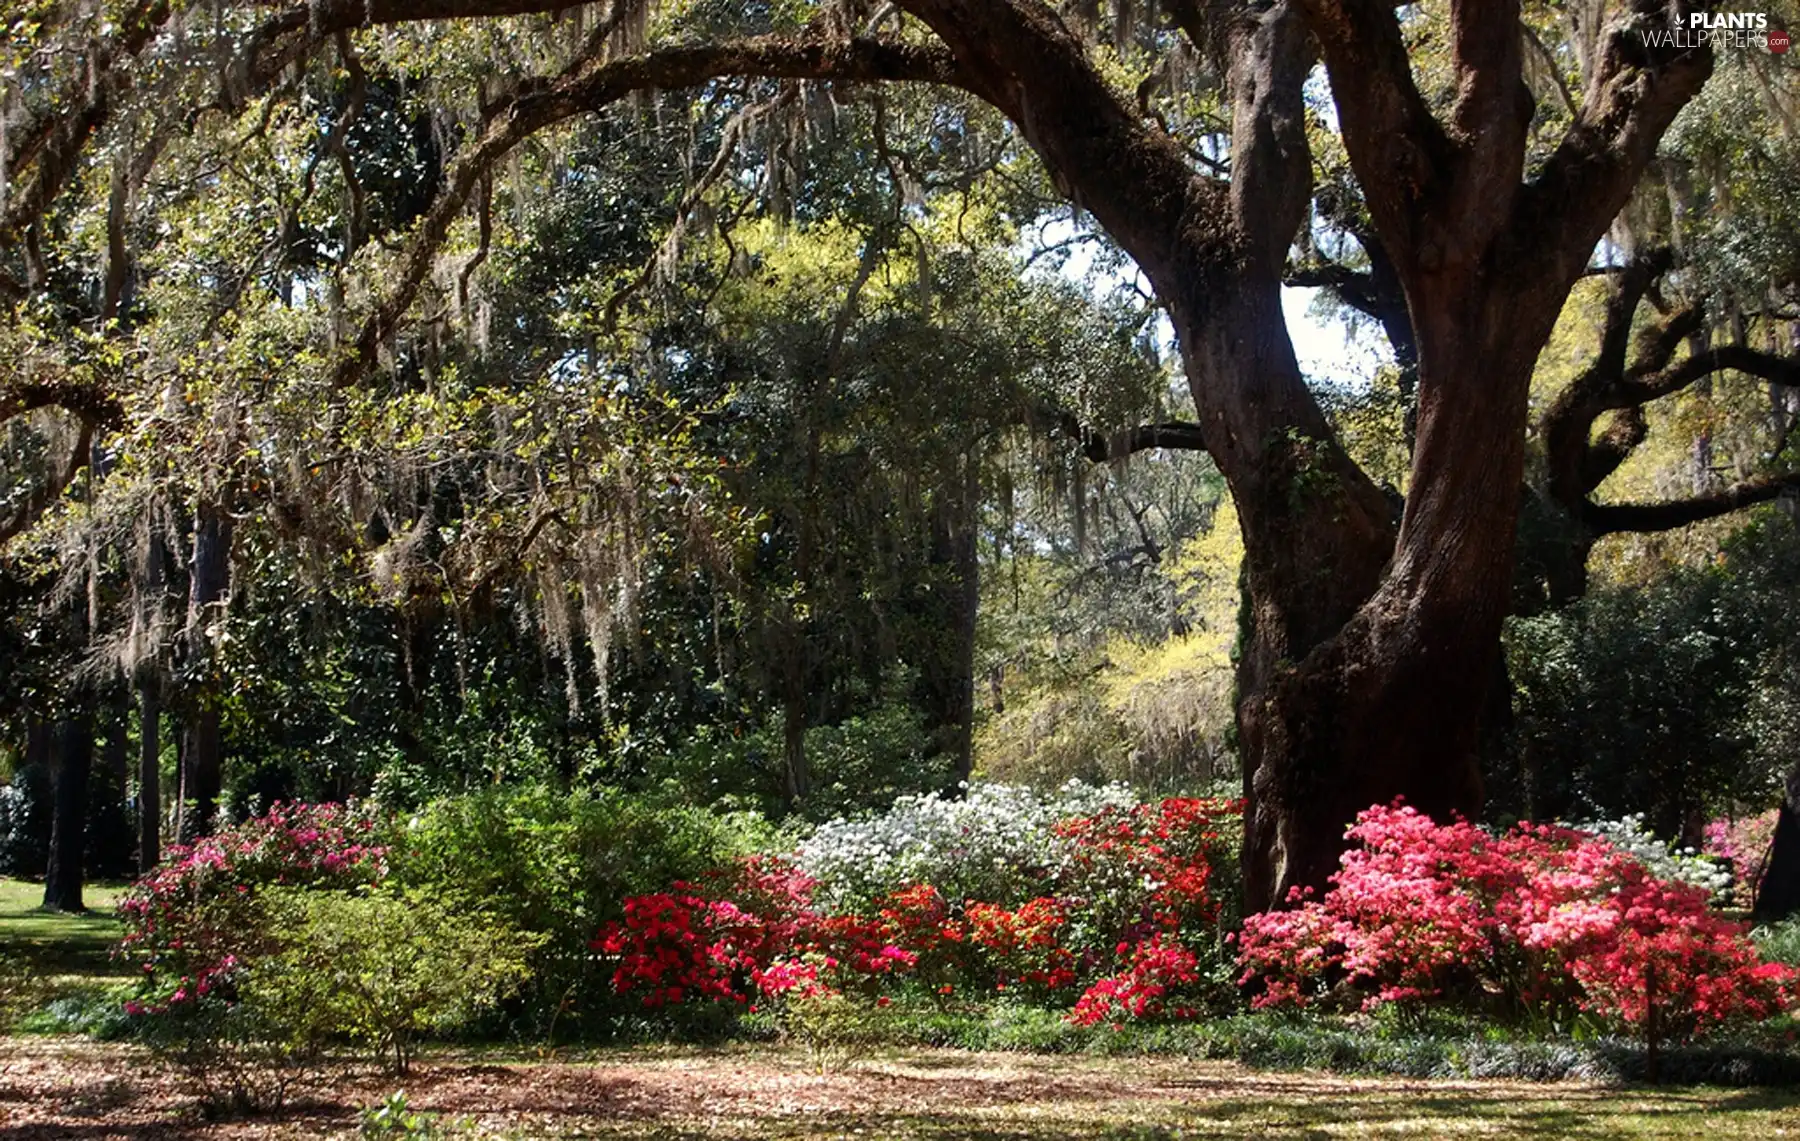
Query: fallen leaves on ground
(67,1088)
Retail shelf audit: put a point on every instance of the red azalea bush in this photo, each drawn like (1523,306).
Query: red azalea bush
(1156,967)
(697,943)
(193,921)
(1023,948)
(1543,919)
(1129,890)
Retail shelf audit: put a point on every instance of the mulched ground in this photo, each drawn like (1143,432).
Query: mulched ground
(70,1088)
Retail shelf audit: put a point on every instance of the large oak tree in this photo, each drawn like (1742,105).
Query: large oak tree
(1370,638)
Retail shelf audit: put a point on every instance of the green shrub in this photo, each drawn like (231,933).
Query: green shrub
(556,866)
(1779,942)
(377,969)
(383,969)
(240,1053)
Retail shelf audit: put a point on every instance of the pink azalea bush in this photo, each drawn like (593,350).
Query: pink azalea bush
(1543,920)
(1744,844)
(194,921)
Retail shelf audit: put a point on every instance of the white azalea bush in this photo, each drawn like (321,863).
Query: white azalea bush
(1664,861)
(997,842)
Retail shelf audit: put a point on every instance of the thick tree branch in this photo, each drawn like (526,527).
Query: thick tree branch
(1271,162)
(1611,518)
(91,402)
(1637,90)
(51,149)
(1640,389)
(1397,147)
(45,497)
(589,85)
(1575,468)
(1175,435)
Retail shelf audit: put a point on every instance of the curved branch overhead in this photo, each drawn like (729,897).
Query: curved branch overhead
(590,84)
(1620,381)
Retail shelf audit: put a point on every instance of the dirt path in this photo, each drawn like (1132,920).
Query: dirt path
(62,1088)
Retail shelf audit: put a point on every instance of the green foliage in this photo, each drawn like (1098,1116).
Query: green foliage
(836,1029)
(392,1118)
(243,1054)
(1779,942)
(386,967)
(25,822)
(1675,700)
(555,865)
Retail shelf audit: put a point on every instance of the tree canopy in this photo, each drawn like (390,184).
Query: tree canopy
(698,373)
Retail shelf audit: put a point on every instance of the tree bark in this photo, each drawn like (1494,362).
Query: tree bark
(202,775)
(149,798)
(796,774)
(209,583)
(1778,896)
(948,681)
(68,827)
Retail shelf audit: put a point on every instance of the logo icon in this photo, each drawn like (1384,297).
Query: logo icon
(1778,41)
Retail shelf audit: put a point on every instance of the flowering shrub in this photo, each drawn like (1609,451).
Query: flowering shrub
(1157,966)
(1122,897)
(993,843)
(694,944)
(1543,918)
(194,920)
(1683,865)
(1023,947)
(1147,868)
(1743,845)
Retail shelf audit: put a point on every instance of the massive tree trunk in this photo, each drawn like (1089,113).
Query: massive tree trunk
(68,827)
(1370,647)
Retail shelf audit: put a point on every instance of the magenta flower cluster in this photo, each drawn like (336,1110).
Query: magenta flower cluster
(191,923)
(1544,920)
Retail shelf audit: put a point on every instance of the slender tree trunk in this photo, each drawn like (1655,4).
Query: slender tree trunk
(202,772)
(181,786)
(948,683)
(796,773)
(209,583)
(149,798)
(68,827)
(968,577)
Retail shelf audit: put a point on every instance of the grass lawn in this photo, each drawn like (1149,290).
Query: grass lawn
(50,957)
(70,1088)
(55,943)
